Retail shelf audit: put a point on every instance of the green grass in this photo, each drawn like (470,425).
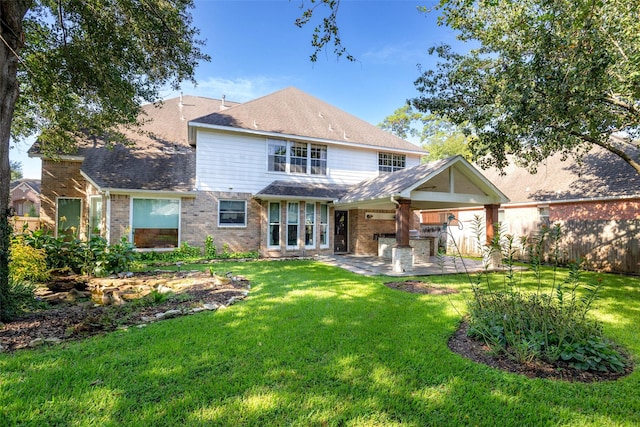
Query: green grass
(311,346)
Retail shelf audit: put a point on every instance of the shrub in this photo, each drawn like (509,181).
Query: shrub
(210,249)
(27,262)
(549,325)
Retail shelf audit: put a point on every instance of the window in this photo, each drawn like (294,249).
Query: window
(318,159)
(277,156)
(324,226)
(95,216)
(274,225)
(389,162)
(154,222)
(293,219)
(68,217)
(232,213)
(310,225)
(296,157)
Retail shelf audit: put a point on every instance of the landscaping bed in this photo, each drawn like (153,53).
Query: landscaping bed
(81,307)
(480,352)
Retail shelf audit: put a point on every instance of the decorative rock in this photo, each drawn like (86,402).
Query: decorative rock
(148,319)
(1,348)
(142,325)
(164,289)
(212,306)
(52,340)
(198,309)
(168,314)
(36,342)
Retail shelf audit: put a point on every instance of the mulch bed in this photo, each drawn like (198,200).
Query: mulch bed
(69,321)
(460,343)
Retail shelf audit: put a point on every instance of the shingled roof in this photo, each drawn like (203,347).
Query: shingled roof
(303,190)
(293,112)
(600,175)
(159,157)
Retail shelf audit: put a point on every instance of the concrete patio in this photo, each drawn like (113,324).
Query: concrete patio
(373,265)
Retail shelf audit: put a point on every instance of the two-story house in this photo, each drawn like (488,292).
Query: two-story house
(266,175)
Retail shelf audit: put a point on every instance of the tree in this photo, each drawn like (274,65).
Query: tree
(543,77)
(16,170)
(438,136)
(70,68)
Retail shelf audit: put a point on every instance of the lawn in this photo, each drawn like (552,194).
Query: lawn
(313,345)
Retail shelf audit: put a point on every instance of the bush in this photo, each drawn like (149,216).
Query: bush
(552,325)
(94,257)
(27,263)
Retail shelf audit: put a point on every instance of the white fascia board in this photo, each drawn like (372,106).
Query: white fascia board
(305,138)
(276,198)
(471,199)
(139,192)
(65,157)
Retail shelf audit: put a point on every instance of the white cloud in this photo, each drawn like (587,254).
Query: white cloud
(240,90)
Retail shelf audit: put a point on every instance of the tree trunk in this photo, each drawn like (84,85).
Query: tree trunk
(11,13)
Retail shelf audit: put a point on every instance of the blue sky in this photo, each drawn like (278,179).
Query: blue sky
(256,49)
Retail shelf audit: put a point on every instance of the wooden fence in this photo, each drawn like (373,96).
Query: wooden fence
(604,245)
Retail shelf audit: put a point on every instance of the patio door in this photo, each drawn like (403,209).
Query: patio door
(340,232)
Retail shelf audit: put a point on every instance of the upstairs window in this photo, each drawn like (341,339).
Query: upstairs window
(296,157)
(389,162)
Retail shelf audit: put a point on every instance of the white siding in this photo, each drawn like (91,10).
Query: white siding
(238,163)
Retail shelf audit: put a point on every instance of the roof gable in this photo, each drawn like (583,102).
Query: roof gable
(451,182)
(292,112)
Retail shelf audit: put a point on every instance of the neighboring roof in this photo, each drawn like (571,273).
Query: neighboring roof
(601,175)
(292,190)
(428,186)
(292,112)
(33,183)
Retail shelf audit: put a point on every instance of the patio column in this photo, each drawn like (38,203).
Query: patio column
(491,221)
(403,223)
(402,252)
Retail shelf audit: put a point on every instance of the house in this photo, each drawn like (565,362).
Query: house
(597,203)
(285,175)
(25,197)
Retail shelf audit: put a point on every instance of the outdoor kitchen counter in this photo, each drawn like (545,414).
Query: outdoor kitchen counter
(423,247)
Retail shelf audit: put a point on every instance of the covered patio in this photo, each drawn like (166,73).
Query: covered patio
(444,184)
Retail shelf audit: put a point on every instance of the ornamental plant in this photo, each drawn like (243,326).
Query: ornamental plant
(551,323)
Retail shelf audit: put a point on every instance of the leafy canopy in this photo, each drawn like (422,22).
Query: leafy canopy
(542,77)
(438,136)
(87,65)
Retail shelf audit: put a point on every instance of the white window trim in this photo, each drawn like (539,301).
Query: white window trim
(101,223)
(297,223)
(393,156)
(244,225)
(269,246)
(288,144)
(58,216)
(312,245)
(131,199)
(328,224)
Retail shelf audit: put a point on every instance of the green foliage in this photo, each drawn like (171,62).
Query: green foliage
(27,263)
(210,249)
(550,325)
(440,137)
(94,257)
(21,299)
(16,170)
(543,77)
